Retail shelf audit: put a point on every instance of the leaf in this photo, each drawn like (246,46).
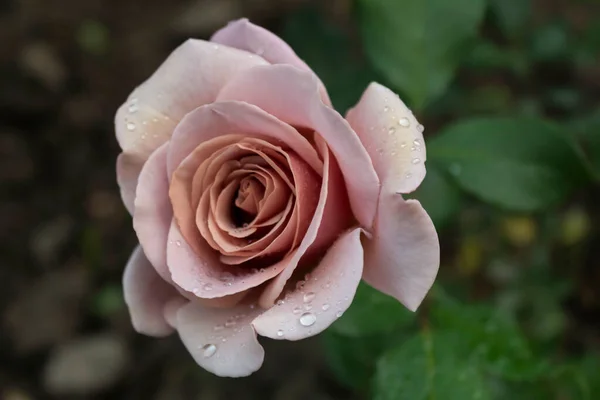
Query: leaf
(587,130)
(352,359)
(372,312)
(512,16)
(519,164)
(329,52)
(493,336)
(418,44)
(429,366)
(440,197)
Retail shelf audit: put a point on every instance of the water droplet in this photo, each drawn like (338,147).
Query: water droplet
(262,270)
(208,287)
(208,350)
(420,128)
(133,108)
(308,297)
(416,160)
(325,307)
(300,285)
(224,340)
(280,302)
(195,290)
(219,327)
(178,243)
(408,175)
(280,333)
(386,109)
(393,153)
(328,284)
(252,306)
(130,126)
(230,323)
(392,130)
(402,145)
(308,307)
(339,314)
(297,310)
(417,142)
(404,122)
(307,319)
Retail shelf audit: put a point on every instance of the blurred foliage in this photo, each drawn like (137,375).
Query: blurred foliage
(512,168)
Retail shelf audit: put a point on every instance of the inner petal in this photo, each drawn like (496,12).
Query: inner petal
(251,191)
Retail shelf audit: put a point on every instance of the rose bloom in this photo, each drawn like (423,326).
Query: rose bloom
(258,207)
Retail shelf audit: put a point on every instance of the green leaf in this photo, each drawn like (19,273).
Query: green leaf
(587,130)
(429,366)
(372,312)
(512,16)
(418,44)
(440,197)
(493,336)
(351,359)
(519,164)
(329,52)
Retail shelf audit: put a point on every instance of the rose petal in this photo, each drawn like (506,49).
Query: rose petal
(128,169)
(153,212)
(223,118)
(403,257)
(393,137)
(244,35)
(274,288)
(204,275)
(191,76)
(146,295)
(222,341)
(292,96)
(329,291)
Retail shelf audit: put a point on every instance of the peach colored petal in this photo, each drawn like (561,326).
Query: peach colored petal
(392,136)
(146,295)
(153,212)
(191,76)
(403,256)
(226,117)
(204,275)
(292,96)
(329,291)
(274,288)
(222,341)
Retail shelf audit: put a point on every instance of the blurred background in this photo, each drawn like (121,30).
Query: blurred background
(509,93)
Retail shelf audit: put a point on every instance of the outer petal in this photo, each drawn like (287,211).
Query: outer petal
(292,96)
(222,341)
(192,76)
(403,257)
(244,35)
(128,170)
(392,136)
(146,295)
(153,212)
(325,296)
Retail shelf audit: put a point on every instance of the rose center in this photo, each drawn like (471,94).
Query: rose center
(247,204)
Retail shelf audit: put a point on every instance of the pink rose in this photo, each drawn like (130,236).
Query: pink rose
(258,207)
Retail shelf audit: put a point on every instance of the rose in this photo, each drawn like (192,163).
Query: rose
(257,206)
